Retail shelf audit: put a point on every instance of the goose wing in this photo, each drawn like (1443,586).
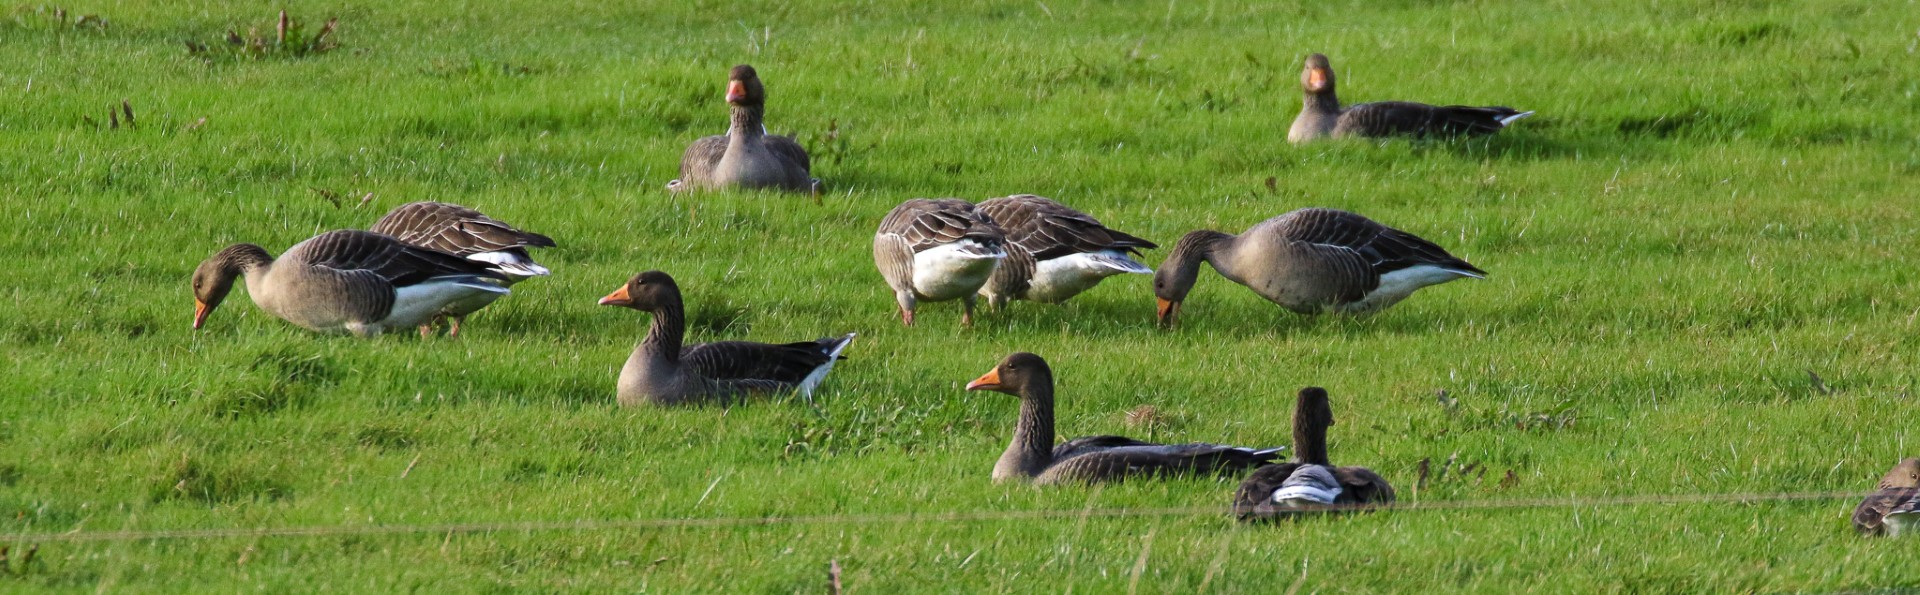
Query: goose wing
(454,229)
(789,151)
(1360,485)
(396,262)
(926,223)
(1119,462)
(1395,118)
(696,165)
(1870,517)
(1383,248)
(1049,230)
(779,365)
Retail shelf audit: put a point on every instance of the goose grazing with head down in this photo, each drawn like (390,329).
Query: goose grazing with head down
(1311,483)
(469,234)
(1033,457)
(746,156)
(1055,252)
(1894,510)
(1322,116)
(345,281)
(937,249)
(663,372)
(1311,261)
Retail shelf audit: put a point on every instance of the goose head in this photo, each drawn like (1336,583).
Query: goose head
(1904,475)
(1317,76)
(213,280)
(1021,374)
(1176,276)
(743,87)
(647,292)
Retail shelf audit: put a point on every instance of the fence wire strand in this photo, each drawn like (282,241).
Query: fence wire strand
(894,518)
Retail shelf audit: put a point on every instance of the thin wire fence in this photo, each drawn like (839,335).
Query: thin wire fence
(898,518)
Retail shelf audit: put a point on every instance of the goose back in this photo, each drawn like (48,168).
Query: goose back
(1055,252)
(467,233)
(1313,260)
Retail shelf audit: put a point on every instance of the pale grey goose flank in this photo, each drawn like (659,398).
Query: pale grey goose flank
(663,372)
(746,156)
(937,249)
(1323,117)
(1894,510)
(1055,252)
(469,234)
(1309,261)
(1311,483)
(344,281)
(1033,457)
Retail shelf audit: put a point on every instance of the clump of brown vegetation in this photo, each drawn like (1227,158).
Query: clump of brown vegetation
(288,39)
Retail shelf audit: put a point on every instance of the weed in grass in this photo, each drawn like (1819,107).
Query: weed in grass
(193,480)
(288,39)
(56,18)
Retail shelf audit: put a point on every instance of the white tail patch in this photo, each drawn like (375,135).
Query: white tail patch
(1309,485)
(819,374)
(1901,522)
(512,265)
(1509,119)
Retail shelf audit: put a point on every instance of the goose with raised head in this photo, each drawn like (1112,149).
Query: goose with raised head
(937,249)
(349,281)
(1311,483)
(662,371)
(1055,252)
(1894,509)
(469,234)
(1322,115)
(1033,457)
(1311,261)
(746,156)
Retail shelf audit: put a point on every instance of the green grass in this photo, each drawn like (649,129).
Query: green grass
(1715,200)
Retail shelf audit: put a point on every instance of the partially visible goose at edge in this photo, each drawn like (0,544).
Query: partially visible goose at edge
(1310,261)
(469,234)
(663,372)
(1311,483)
(1894,510)
(1033,457)
(1055,252)
(746,156)
(1322,116)
(345,281)
(937,249)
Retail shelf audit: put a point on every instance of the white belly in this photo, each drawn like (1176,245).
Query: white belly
(1058,279)
(416,304)
(1397,285)
(953,271)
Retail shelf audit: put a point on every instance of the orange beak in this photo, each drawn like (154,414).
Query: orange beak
(987,381)
(1166,311)
(619,297)
(200,312)
(1316,79)
(736,91)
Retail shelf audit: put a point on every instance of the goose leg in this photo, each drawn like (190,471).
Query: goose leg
(454,323)
(906,316)
(966,314)
(426,330)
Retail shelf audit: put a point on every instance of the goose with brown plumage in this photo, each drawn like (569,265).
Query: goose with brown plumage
(1311,483)
(662,371)
(1310,261)
(1055,252)
(469,234)
(1033,457)
(345,281)
(746,156)
(937,249)
(1894,509)
(1323,117)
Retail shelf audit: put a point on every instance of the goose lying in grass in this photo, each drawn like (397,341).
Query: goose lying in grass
(1311,261)
(746,156)
(469,234)
(1311,483)
(1894,510)
(937,249)
(1055,252)
(1323,117)
(1033,457)
(663,372)
(344,281)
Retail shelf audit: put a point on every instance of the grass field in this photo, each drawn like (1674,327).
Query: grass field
(1700,255)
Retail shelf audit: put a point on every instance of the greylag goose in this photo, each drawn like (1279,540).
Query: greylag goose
(1311,483)
(662,372)
(345,281)
(1033,457)
(937,249)
(1055,252)
(1309,261)
(1322,115)
(746,156)
(1895,509)
(469,234)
